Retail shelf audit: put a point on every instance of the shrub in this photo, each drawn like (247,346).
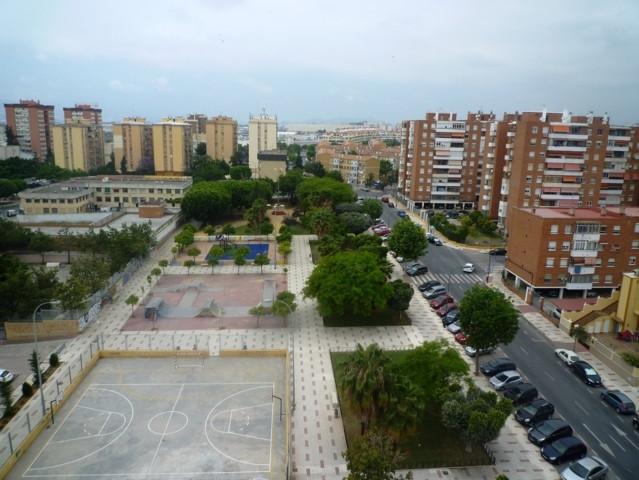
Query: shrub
(209,229)
(631,358)
(54,360)
(27,390)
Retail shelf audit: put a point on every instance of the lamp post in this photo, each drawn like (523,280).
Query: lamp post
(35,341)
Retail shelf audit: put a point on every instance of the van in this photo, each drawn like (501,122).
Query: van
(12,213)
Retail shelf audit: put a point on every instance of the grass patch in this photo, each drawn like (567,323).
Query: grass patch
(431,446)
(384,317)
(475,237)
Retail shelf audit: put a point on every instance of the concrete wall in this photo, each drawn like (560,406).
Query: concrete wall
(22,331)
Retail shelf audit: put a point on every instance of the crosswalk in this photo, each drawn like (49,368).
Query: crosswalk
(445,278)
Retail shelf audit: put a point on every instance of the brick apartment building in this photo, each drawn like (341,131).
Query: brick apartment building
(83,113)
(572,250)
(32,123)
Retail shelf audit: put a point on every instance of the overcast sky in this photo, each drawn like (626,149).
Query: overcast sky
(323,60)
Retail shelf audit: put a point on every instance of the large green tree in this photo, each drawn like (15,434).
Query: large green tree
(207,202)
(7,188)
(372,207)
(320,220)
(373,457)
(92,272)
(288,182)
(407,239)
(323,192)
(240,172)
(256,214)
(355,222)
(487,318)
(349,283)
(315,168)
(41,243)
(401,295)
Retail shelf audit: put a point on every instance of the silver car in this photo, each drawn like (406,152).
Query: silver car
(509,377)
(587,468)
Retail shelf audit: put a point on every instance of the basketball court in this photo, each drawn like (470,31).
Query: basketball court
(158,418)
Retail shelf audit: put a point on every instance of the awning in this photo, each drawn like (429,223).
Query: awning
(551,190)
(573,167)
(568,203)
(570,179)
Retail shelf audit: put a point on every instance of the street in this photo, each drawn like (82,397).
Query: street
(608,435)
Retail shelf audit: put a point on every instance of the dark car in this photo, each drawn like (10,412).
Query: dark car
(401,214)
(443,299)
(447,307)
(536,411)
(564,450)
(437,242)
(427,285)
(619,401)
(498,251)
(586,373)
(497,365)
(521,393)
(548,431)
(451,317)
(635,422)
(416,269)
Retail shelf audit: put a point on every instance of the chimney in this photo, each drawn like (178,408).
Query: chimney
(603,210)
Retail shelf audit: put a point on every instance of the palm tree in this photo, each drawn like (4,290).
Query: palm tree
(404,408)
(366,381)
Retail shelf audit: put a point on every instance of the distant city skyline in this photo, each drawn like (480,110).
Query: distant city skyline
(328,61)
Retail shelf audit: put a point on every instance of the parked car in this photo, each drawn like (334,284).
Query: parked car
(429,284)
(468,268)
(471,352)
(396,257)
(586,373)
(434,292)
(450,317)
(588,468)
(548,431)
(567,356)
(520,393)
(447,307)
(497,251)
(384,199)
(416,269)
(380,232)
(6,376)
(441,300)
(391,205)
(460,337)
(635,422)
(437,242)
(535,412)
(502,379)
(619,401)
(452,214)
(564,450)
(497,365)
(454,327)
(401,214)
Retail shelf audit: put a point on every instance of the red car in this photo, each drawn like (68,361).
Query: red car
(382,231)
(460,338)
(445,308)
(385,199)
(441,301)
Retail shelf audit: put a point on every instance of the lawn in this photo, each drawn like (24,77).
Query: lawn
(382,318)
(475,237)
(431,446)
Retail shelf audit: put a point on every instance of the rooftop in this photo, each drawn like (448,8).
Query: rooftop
(64,188)
(583,213)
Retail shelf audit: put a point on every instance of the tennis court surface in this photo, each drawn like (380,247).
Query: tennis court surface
(145,418)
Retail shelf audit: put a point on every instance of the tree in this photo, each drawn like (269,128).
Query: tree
(41,243)
(163,264)
(266,228)
(487,318)
(373,208)
(315,168)
(580,334)
(193,252)
(348,283)
(92,272)
(208,171)
(185,238)
(7,188)
(288,182)
(207,202)
(355,222)
(6,393)
(214,256)
(407,239)
(259,311)
(34,363)
(67,241)
(132,300)
(284,304)
(261,259)
(310,152)
(240,172)
(285,249)
(200,149)
(401,295)
(323,192)
(54,360)
(228,229)
(320,220)
(476,415)
(188,264)
(373,457)
(73,294)
(239,257)
(156,272)
(257,213)
(123,166)
(335,175)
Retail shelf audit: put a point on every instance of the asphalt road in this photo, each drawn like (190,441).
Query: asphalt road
(608,435)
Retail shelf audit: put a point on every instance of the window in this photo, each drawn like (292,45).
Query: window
(550,262)
(568,229)
(534,130)
(632,260)
(552,246)
(530,167)
(608,279)
(554,229)
(563,262)
(528,179)
(612,262)
(531,154)
(565,246)
(548,278)
(636,227)
(54,210)
(635,244)
(45,210)
(595,278)
(616,230)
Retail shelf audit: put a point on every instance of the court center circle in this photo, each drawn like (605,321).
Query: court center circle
(167,423)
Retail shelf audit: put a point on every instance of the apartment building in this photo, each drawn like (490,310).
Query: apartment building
(262,136)
(87,194)
(78,145)
(565,160)
(271,164)
(221,138)
(83,113)
(572,250)
(356,162)
(133,143)
(172,146)
(32,124)
(441,160)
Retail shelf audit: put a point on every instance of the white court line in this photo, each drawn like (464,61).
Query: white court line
(228,429)
(142,475)
(98,435)
(104,424)
(166,427)
(270,447)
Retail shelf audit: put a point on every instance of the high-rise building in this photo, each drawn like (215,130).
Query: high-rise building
(133,142)
(31,123)
(83,112)
(172,146)
(221,138)
(262,136)
(198,122)
(78,145)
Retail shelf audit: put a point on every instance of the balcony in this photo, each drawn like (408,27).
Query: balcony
(561,173)
(560,196)
(581,269)
(583,253)
(510,134)
(610,192)
(567,148)
(578,285)
(568,136)
(617,148)
(612,180)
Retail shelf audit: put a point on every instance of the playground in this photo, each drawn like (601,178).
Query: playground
(195,302)
(147,418)
(254,248)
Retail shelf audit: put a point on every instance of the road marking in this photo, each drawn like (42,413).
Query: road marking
(619,431)
(619,444)
(582,408)
(633,443)
(603,445)
(523,350)
(551,377)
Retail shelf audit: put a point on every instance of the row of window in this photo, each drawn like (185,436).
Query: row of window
(595,279)
(589,228)
(612,262)
(57,200)
(139,190)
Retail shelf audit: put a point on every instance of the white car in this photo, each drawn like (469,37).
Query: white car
(454,328)
(468,268)
(509,377)
(588,468)
(5,376)
(567,356)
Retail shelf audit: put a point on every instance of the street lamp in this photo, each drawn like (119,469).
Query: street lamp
(35,341)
